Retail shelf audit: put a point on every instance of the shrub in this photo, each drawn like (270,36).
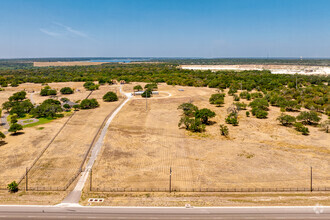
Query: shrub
(217,99)
(47,91)
(286,120)
(13,187)
(259,113)
(110,97)
(255,95)
(236,97)
(240,105)
(65,99)
(232,119)
(259,103)
(309,117)
(192,124)
(232,91)
(66,90)
(224,130)
(325,125)
(301,128)
(89,104)
(247,114)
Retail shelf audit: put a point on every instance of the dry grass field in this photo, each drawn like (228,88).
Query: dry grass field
(208,199)
(141,146)
(65,154)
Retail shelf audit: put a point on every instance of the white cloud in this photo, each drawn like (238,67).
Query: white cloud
(62,30)
(50,33)
(71,30)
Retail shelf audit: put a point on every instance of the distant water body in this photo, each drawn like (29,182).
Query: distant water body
(119,60)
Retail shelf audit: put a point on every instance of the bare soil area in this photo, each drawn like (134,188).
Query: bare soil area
(141,146)
(278,69)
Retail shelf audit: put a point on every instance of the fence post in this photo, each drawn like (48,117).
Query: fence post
(311,179)
(26,179)
(90,180)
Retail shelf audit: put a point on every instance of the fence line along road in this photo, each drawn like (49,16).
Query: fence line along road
(293,189)
(46,147)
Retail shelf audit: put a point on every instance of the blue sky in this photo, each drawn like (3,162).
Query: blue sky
(164,28)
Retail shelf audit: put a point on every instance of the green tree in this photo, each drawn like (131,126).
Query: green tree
(13,119)
(204,114)
(309,117)
(110,97)
(217,99)
(76,107)
(137,88)
(15,127)
(286,120)
(67,107)
(147,93)
(151,86)
(189,109)
(91,86)
(259,103)
(259,113)
(18,96)
(66,90)
(89,104)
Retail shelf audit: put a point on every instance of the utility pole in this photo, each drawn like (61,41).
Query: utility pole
(26,179)
(170,189)
(311,179)
(90,180)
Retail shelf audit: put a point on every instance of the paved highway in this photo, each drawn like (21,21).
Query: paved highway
(53,212)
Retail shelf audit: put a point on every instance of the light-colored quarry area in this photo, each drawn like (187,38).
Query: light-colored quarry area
(276,69)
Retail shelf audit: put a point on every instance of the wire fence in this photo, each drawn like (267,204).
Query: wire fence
(103,189)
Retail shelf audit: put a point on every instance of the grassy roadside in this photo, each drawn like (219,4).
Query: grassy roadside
(209,199)
(31,198)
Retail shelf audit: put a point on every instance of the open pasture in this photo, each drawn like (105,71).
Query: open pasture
(143,144)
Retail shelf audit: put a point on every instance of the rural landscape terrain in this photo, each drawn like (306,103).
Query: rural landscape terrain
(185,134)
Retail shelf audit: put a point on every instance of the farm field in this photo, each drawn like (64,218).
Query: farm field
(141,146)
(63,157)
